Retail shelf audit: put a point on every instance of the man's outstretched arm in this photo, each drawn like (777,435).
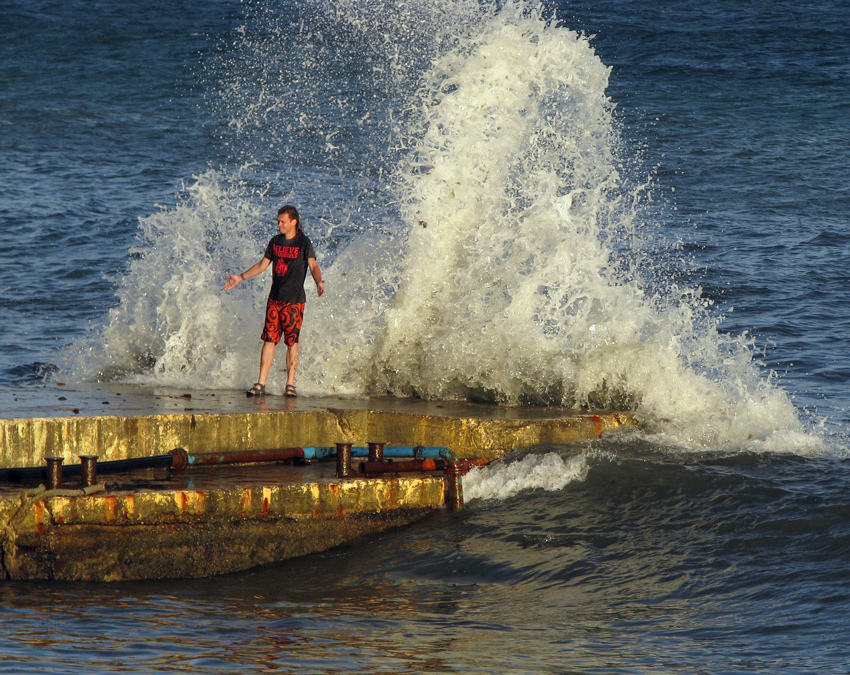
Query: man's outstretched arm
(233,280)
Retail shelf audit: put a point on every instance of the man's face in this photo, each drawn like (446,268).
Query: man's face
(286,225)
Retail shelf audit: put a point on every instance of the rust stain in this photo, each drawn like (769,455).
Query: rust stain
(337,497)
(40,511)
(245,501)
(266,508)
(109,507)
(202,501)
(129,506)
(392,493)
(597,424)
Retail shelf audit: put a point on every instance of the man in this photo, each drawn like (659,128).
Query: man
(290,254)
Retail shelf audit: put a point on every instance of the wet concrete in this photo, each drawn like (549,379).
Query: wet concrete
(116,535)
(89,400)
(147,422)
(211,520)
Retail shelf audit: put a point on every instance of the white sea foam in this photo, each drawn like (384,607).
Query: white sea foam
(496,261)
(548,472)
(170,325)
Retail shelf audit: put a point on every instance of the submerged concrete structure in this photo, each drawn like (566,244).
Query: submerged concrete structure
(158,534)
(238,521)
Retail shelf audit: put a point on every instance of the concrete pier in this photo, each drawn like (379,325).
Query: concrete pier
(25,442)
(157,534)
(216,521)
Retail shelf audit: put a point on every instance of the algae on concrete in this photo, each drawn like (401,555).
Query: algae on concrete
(181,534)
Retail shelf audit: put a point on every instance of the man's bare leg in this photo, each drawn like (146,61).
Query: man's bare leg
(266,360)
(291,363)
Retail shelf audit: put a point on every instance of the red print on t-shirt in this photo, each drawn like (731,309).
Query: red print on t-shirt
(282,252)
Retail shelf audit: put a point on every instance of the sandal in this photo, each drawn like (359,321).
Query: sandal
(290,390)
(257,390)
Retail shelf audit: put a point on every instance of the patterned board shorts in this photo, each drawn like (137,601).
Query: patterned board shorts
(283,319)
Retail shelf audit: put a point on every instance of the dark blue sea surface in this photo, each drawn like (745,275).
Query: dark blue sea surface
(744,109)
(101,121)
(628,555)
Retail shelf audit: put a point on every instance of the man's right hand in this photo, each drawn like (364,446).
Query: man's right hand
(233,280)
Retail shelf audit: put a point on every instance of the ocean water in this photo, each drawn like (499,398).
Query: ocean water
(582,204)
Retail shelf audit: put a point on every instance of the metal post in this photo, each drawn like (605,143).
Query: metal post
(343,460)
(54,472)
(89,469)
(376,452)
(455,495)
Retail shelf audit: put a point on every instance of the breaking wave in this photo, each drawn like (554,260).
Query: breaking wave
(480,221)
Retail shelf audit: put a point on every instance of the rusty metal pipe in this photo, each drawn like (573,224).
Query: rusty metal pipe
(122,465)
(416,451)
(178,460)
(466,465)
(245,456)
(374,468)
(454,475)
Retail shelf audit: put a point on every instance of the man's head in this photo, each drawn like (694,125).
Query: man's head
(286,217)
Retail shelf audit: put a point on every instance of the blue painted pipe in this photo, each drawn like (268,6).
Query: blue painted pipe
(179,459)
(426,451)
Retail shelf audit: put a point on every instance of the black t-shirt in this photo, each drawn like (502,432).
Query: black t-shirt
(289,267)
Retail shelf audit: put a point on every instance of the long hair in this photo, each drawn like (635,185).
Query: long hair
(292,212)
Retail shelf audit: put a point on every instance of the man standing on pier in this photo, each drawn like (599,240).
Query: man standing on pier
(290,254)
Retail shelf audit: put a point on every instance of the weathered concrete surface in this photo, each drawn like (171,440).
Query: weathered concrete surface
(25,442)
(181,534)
(200,532)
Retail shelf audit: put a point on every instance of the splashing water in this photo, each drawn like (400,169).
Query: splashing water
(548,471)
(168,326)
(475,218)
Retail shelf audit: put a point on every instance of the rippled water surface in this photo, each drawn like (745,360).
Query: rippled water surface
(642,207)
(648,564)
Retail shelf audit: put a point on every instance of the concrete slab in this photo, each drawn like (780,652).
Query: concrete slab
(130,422)
(102,399)
(181,533)
(207,521)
